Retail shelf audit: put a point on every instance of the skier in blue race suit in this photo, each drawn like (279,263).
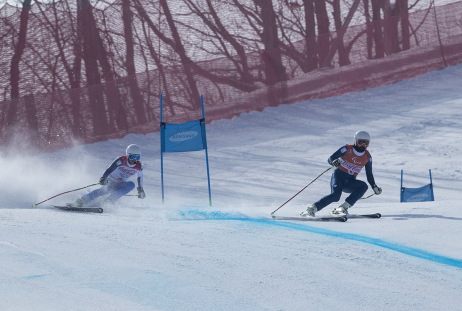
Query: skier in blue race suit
(114,182)
(349,161)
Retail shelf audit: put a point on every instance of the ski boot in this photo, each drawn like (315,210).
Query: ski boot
(78,203)
(310,211)
(342,209)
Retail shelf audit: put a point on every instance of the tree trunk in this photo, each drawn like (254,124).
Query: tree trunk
(403,10)
(377,26)
(322,19)
(78,44)
(246,76)
(391,37)
(137,98)
(274,69)
(310,39)
(343,54)
(78,127)
(186,62)
(12,117)
(19,49)
(369,29)
(90,57)
(275,72)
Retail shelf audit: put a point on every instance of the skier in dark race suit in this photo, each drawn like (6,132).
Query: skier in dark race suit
(349,161)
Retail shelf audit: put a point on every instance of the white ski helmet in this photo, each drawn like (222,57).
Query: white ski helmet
(133,152)
(362,135)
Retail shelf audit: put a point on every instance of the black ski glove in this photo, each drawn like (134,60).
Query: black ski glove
(337,162)
(103,181)
(141,194)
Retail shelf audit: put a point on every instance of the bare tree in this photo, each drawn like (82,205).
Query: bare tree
(313,26)
(322,20)
(19,49)
(262,18)
(95,55)
(402,9)
(383,30)
(137,98)
(342,51)
(275,70)
(377,28)
(176,43)
(369,29)
(227,43)
(310,37)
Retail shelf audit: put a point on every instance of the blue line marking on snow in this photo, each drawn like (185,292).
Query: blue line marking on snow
(355,237)
(34,276)
(215,215)
(199,214)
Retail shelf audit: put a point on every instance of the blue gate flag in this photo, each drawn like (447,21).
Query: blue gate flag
(421,194)
(189,136)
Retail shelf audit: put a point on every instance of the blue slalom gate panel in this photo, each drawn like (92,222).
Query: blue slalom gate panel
(189,136)
(421,194)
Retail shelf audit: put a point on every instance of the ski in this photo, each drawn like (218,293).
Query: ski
(80,209)
(375,215)
(301,218)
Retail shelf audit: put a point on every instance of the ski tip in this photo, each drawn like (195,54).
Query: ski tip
(378,215)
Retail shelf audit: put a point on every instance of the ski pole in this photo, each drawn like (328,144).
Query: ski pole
(301,190)
(64,193)
(368,196)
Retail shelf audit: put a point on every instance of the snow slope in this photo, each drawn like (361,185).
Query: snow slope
(185,255)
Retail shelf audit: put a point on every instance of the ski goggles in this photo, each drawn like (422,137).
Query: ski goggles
(134,157)
(362,142)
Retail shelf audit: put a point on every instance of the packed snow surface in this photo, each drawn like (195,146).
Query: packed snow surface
(187,255)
